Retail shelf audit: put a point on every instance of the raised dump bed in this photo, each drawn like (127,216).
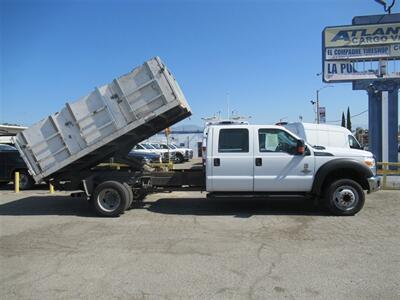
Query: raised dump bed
(107,122)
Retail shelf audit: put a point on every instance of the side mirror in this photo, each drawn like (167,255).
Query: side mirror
(300,148)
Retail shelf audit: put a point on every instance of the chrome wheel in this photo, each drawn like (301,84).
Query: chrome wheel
(109,200)
(345,197)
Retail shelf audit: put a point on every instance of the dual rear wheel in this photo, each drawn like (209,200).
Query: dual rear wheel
(112,198)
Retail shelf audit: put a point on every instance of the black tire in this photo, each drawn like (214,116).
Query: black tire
(110,198)
(26,181)
(179,158)
(130,193)
(344,197)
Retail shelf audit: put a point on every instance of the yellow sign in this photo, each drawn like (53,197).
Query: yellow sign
(362,35)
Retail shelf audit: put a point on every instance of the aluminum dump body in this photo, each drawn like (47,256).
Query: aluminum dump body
(107,122)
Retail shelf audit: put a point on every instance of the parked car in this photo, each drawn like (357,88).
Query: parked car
(145,157)
(143,148)
(147,148)
(181,154)
(10,162)
(167,154)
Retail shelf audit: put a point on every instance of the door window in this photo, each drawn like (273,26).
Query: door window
(353,143)
(233,140)
(275,140)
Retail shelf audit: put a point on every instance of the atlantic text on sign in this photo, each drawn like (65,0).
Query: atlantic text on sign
(365,35)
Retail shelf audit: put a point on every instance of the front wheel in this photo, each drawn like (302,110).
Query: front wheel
(110,199)
(344,197)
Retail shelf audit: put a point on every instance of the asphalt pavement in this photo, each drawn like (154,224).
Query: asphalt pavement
(183,246)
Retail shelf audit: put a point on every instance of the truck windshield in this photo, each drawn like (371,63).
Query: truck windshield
(353,143)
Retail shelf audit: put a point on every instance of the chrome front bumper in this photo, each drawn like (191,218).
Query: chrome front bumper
(374,184)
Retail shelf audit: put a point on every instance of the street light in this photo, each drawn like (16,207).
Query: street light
(386,8)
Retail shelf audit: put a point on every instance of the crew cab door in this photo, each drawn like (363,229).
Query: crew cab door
(230,165)
(277,167)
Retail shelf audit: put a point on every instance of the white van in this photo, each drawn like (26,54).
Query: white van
(324,135)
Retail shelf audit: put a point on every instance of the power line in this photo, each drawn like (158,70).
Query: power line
(356,115)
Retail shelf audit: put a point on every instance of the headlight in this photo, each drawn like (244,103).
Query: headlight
(370,162)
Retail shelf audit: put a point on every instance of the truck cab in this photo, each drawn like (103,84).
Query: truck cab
(267,159)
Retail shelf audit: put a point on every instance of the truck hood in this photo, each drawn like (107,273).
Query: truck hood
(346,152)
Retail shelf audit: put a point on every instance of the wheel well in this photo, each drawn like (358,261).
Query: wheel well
(12,174)
(345,174)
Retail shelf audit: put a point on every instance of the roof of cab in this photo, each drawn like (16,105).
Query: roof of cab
(246,126)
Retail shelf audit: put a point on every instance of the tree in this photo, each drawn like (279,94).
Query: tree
(348,119)
(343,120)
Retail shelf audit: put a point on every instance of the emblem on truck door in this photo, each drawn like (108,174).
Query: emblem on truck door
(305,170)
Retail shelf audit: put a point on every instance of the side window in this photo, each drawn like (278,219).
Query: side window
(233,140)
(275,140)
(353,143)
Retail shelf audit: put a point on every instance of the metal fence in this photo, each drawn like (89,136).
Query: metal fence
(390,172)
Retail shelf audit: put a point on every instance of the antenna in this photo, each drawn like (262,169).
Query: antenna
(228,104)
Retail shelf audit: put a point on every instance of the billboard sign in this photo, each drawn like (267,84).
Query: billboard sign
(360,52)
(362,35)
(384,51)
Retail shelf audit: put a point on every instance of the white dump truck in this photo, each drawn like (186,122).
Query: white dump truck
(241,160)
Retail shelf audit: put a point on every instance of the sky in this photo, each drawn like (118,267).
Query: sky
(264,56)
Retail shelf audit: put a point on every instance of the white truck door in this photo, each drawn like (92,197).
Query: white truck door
(230,165)
(277,168)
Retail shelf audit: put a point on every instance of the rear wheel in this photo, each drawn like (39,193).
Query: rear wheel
(110,199)
(130,194)
(344,197)
(25,180)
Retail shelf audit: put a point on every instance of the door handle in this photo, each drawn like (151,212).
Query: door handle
(217,162)
(258,161)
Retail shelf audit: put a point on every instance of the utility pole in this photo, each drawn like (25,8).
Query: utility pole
(228,100)
(316,103)
(317,106)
